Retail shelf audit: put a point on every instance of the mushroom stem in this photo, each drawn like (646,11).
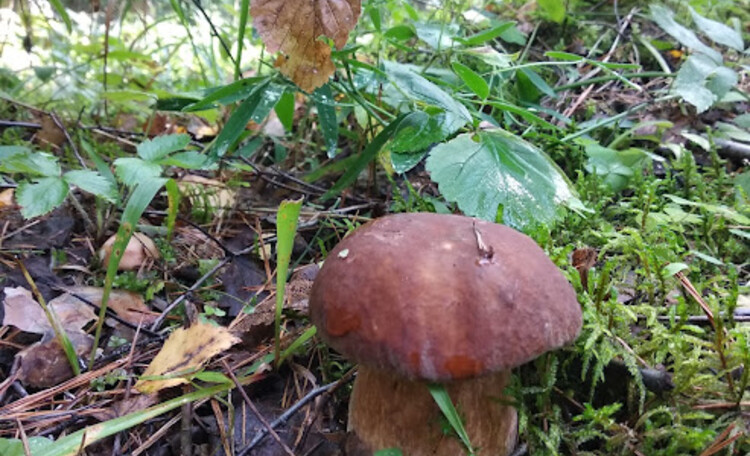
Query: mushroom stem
(390,411)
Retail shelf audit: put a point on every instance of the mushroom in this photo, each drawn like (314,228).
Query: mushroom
(419,298)
(140,248)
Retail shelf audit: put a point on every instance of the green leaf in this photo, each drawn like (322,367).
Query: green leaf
(229,93)
(285,110)
(363,159)
(437,35)
(389,452)
(92,182)
(718,32)
(491,56)
(701,81)
(554,10)
(286,230)
(487,35)
(673,268)
(41,196)
(327,119)
(131,170)
(400,32)
(190,159)
(268,99)
(409,87)
(14,447)
(139,199)
(492,168)
(418,131)
(664,18)
(616,167)
(236,123)
(473,81)
(60,9)
(161,146)
(444,403)
(212,377)
(403,162)
(19,159)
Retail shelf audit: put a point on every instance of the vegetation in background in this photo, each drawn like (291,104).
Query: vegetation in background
(616,134)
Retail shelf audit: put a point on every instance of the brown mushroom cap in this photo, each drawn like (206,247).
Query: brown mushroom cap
(442,297)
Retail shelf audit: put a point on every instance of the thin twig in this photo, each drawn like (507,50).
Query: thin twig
(255,410)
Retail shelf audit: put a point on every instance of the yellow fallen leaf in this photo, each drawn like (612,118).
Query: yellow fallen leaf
(184,353)
(294,27)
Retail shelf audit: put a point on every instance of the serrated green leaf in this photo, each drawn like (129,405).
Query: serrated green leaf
(41,196)
(408,87)
(161,146)
(473,81)
(190,159)
(664,18)
(493,167)
(327,119)
(19,159)
(92,182)
(132,170)
(718,32)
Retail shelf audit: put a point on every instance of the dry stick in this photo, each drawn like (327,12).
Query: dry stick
(574,107)
(325,389)
(30,401)
(257,413)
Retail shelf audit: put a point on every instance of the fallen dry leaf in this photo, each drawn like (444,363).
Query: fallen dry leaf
(294,27)
(183,353)
(44,363)
(6,198)
(23,312)
(139,249)
(127,305)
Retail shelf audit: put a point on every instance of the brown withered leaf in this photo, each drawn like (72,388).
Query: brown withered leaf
(184,353)
(294,27)
(44,363)
(127,305)
(23,312)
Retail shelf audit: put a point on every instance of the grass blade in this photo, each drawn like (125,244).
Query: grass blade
(286,228)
